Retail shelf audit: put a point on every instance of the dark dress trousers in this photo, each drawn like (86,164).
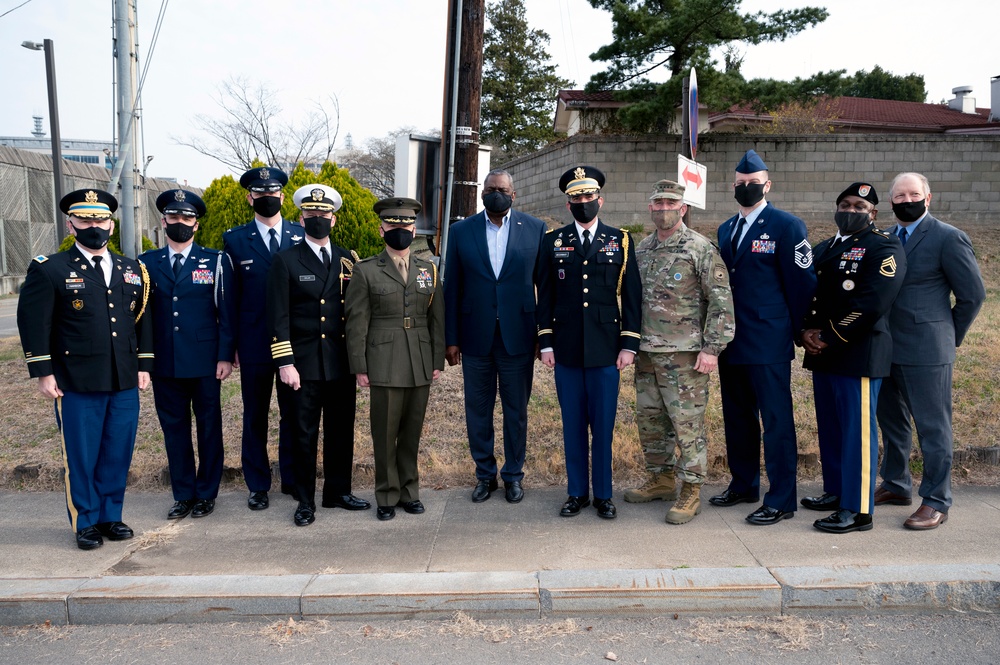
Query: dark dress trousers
(580,319)
(772,281)
(192,332)
(251,260)
(94,338)
(858,279)
(492,320)
(305,314)
(926,329)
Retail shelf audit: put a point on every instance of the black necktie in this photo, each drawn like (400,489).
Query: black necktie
(177,265)
(903,235)
(586,242)
(274,242)
(736,236)
(326,257)
(100,270)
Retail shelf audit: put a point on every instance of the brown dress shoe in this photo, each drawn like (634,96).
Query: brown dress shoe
(884,496)
(925,518)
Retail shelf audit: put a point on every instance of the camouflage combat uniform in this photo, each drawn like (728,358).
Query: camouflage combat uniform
(687,307)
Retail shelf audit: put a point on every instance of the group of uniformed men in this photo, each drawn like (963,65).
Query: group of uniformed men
(289,308)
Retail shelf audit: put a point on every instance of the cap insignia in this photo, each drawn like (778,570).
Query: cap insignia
(91,196)
(179,195)
(264,174)
(863,190)
(579,173)
(317,194)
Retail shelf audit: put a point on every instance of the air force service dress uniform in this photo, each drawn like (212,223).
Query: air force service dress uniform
(252,257)
(581,321)
(94,336)
(858,279)
(192,332)
(306,320)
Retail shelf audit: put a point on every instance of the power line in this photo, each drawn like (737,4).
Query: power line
(18,7)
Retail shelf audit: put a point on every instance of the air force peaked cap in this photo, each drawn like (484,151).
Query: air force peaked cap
(180,202)
(751,163)
(264,179)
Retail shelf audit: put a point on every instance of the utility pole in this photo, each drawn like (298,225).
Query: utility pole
(125,68)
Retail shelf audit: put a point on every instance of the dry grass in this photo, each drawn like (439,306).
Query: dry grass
(28,435)
(784,633)
(282,632)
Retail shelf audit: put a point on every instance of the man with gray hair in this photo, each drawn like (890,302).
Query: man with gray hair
(926,328)
(489,293)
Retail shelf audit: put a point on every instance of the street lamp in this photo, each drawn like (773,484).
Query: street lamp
(57,173)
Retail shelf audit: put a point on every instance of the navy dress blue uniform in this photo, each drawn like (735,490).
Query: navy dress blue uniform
(772,281)
(94,336)
(192,333)
(251,258)
(581,321)
(858,278)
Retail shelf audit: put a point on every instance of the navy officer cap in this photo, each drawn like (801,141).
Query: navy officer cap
(862,190)
(751,163)
(180,202)
(264,179)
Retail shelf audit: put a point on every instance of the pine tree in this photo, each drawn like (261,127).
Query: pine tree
(519,86)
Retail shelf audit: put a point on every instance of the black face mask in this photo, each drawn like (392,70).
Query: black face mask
(749,194)
(267,206)
(497,202)
(179,232)
(398,239)
(92,237)
(317,227)
(910,211)
(585,212)
(851,222)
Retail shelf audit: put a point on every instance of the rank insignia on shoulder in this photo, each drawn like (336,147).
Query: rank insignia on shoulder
(888,267)
(803,254)
(41,259)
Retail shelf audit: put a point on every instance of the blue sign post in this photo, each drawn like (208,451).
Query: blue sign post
(693,113)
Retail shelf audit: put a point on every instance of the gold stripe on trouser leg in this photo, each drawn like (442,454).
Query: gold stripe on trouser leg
(62,438)
(866,441)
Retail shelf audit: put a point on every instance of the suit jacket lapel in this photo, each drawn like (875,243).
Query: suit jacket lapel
(479,235)
(925,227)
(752,233)
(255,240)
(513,238)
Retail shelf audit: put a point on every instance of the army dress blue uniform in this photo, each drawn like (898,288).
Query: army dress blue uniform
(94,336)
(251,258)
(580,320)
(192,333)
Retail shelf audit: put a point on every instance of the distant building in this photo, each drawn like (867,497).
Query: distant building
(75,150)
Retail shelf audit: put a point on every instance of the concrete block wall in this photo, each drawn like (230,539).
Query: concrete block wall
(807,172)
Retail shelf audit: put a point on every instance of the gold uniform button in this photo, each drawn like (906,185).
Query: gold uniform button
(111,305)
(323,336)
(586,304)
(586,276)
(322,302)
(586,290)
(813,312)
(67,353)
(114,320)
(109,292)
(322,318)
(584,263)
(114,334)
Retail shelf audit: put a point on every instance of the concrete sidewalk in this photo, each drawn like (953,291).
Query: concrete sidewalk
(489,559)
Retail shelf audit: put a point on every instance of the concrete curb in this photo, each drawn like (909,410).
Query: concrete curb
(227,598)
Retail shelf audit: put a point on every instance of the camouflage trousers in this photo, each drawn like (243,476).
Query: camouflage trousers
(670,409)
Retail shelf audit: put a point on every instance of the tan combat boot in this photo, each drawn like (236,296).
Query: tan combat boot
(659,486)
(687,505)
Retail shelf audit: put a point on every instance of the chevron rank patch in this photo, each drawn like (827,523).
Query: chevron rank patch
(888,267)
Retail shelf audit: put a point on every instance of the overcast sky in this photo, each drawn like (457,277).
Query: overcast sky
(384,59)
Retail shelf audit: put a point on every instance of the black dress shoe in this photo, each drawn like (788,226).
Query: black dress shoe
(605,508)
(844,521)
(731,498)
(305,515)
(513,492)
(483,489)
(203,508)
(115,530)
(826,503)
(385,512)
(574,505)
(258,501)
(767,515)
(412,507)
(89,538)
(347,502)
(181,509)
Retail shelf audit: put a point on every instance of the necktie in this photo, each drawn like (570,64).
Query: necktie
(739,232)
(177,264)
(903,235)
(586,242)
(401,267)
(326,257)
(274,242)
(100,270)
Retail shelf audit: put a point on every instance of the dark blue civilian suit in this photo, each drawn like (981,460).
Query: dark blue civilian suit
(192,333)
(773,283)
(492,321)
(251,261)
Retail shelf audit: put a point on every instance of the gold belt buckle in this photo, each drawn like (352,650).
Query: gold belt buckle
(407,322)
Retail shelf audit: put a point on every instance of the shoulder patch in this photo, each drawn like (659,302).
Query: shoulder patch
(41,259)
(549,231)
(880,232)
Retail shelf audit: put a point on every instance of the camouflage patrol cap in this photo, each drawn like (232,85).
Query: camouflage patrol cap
(667,189)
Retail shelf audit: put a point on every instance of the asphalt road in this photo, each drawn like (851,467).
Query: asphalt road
(8,317)
(965,639)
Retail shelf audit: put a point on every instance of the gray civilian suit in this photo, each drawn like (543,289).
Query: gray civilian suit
(925,331)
